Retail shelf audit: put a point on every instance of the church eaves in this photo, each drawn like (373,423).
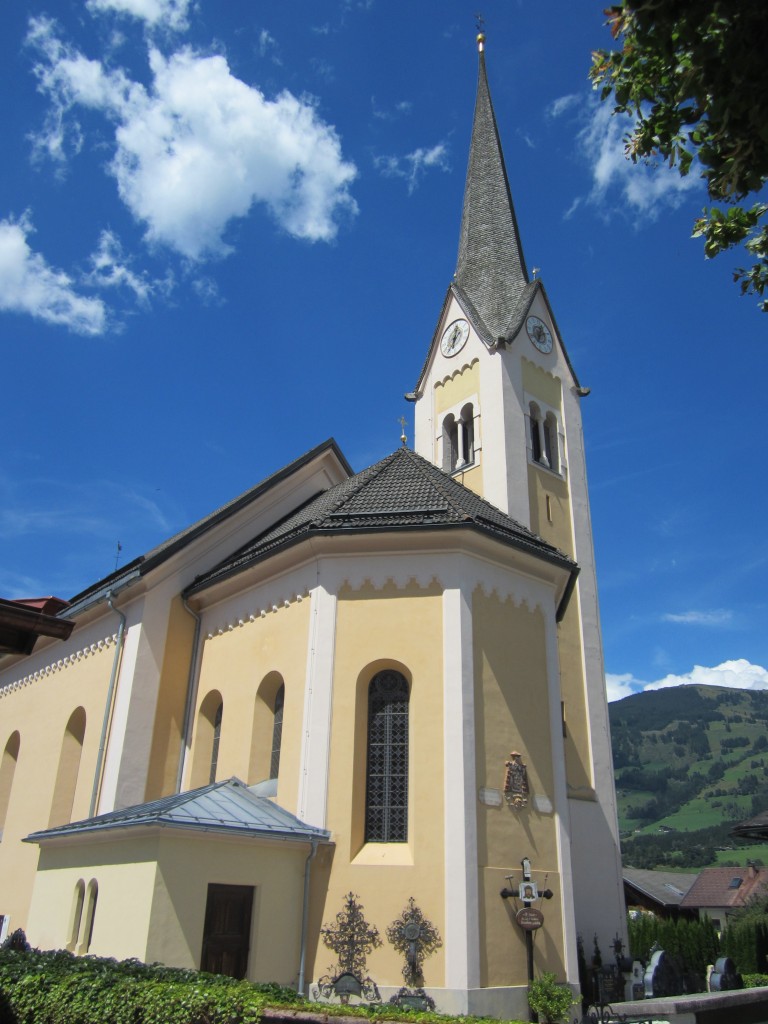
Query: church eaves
(491,268)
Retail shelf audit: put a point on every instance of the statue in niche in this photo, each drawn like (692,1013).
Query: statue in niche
(516,781)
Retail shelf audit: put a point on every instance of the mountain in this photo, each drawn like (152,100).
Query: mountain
(689,761)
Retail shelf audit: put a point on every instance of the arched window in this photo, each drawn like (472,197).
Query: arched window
(467,435)
(69,767)
(205,756)
(386,804)
(534,419)
(277,733)
(216,740)
(459,439)
(267,731)
(7,771)
(450,443)
(77,915)
(92,896)
(551,447)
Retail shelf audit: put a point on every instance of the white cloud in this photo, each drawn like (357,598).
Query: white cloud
(172,14)
(562,104)
(30,286)
(738,674)
(718,617)
(618,686)
(412,166)
(646,188)
(110,268)
(199,147)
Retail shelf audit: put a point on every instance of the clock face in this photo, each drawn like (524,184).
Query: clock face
(539,334)
(454,337)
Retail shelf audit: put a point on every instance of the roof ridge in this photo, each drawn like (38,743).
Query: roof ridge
(426,468)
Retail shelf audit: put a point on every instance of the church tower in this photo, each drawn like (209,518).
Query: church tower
(497,406)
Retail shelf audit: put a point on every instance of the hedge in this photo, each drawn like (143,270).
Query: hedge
(60,988)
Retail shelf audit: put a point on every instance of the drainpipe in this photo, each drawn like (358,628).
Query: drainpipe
(305,917)
(108,707)
(191,693)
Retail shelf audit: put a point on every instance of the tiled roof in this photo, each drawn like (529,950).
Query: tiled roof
(725,887)
(666,888)
(228,806)
(401,492)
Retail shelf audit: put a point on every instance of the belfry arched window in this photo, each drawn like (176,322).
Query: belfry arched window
(551,449)
(386,805)
(459,439)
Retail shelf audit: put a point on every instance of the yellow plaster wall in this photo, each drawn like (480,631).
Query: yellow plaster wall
(512,713)
(378,629)
(558,532)
(578,762)
(462,384)
(187,864)
(169,718)
(540,384)
(235,663)
(40,710)
(125,873)
(471,478)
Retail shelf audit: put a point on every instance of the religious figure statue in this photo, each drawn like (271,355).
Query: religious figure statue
(516,781)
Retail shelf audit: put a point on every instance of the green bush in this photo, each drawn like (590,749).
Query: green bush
(59,988)
(755,980)
(548,999)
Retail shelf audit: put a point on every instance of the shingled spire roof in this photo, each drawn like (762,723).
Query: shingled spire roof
(491,269)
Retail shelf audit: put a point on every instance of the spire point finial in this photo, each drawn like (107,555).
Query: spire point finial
(480,26)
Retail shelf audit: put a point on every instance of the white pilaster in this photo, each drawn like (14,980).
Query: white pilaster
(560,794)
(312,800)
(462,924)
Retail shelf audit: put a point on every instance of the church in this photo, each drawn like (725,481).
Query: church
(383,687)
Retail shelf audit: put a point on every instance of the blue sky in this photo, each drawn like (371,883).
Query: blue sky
(226,230)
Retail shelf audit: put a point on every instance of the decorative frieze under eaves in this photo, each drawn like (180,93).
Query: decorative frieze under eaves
(60,665)
(407,572)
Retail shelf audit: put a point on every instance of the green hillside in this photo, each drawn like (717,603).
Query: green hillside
(690,761)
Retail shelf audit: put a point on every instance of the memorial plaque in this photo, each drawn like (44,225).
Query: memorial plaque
(529,919)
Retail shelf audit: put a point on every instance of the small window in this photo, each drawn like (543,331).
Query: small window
(277,733)
(7,772)
(551,442)
(77,915)
(386,810)
(216,741)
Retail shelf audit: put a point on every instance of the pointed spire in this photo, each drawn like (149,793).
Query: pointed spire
(490,268)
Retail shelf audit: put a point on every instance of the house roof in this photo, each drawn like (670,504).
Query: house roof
(401,492)
(725,887)
(755,829)
(667,888)
(228,807)
(23,621)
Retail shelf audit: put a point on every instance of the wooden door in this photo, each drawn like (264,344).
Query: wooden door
(227,929)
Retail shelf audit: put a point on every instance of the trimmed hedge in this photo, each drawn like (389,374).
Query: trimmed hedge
(60,988)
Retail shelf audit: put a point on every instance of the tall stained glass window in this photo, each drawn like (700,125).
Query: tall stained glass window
(386,806)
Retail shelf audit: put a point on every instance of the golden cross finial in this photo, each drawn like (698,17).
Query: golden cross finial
(480,26)
(403,438)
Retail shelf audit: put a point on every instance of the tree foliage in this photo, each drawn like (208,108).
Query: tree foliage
(693,75)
